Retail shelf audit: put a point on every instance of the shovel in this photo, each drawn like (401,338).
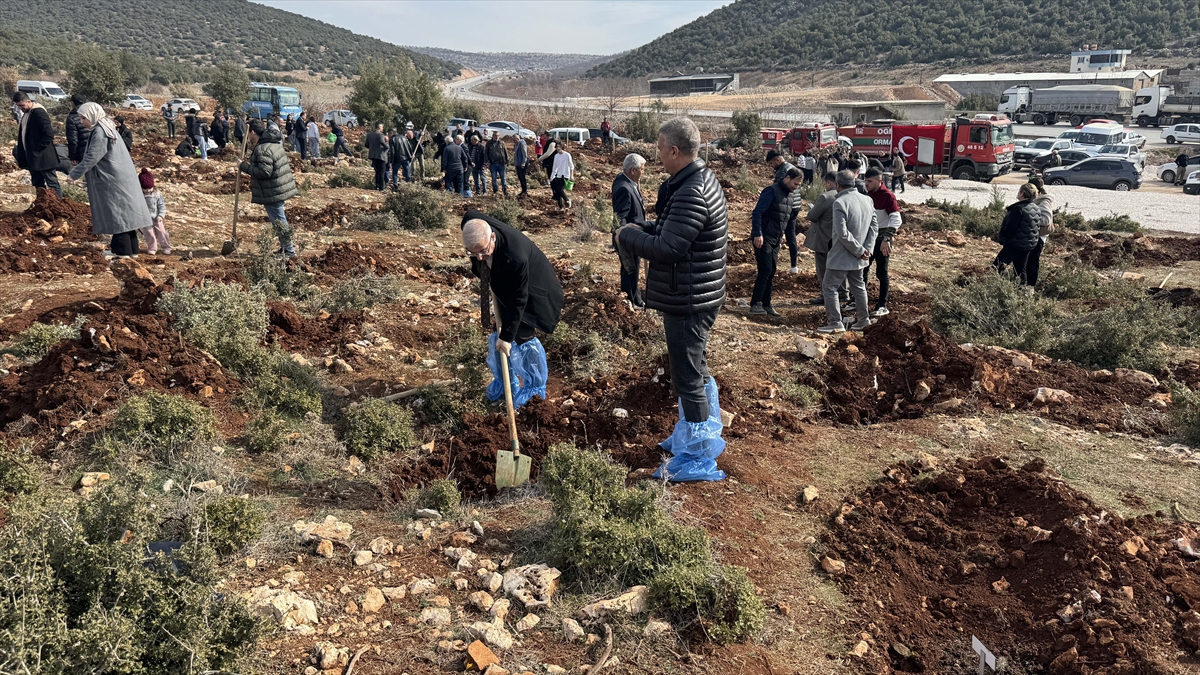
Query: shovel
(231,244)
(512,468)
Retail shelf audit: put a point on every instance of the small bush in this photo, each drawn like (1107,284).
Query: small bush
(983,222)
(1185,412)
(1071,221)
(373,428)
(268,432)
(225,320)
(310,452)
(582,354)
(507,211)
(994,310)
(1124,335)
(162,423)
(18,474)
(1114,223)
(281,384)
(1078,280)
(746,125)
(417,207)
(378,221)
(345,177)
(800,394)
(40,338)
(441,495)
(720,601)
(745,182)
(75,193)
(942,222)
(643,126)
(274,275)
(230,523)
(465,355)
(362,292)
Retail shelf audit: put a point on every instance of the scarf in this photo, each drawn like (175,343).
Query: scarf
(95,114)
(25,120)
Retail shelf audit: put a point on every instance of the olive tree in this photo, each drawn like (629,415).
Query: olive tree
(97,75)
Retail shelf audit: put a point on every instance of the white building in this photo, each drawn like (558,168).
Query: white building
(1098,60)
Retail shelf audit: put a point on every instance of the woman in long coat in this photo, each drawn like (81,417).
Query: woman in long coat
(115,196)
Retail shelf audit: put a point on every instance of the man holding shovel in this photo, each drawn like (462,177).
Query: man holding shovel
(271,182)
(528,298)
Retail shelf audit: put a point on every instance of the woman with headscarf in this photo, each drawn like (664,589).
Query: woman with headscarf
(114,194)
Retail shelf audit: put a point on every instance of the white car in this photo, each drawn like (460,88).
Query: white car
(457,122)
(1135,139)
(1170,171)
(181,105)
(344,118)
(506,129)
(1181,133)
(1192,186)
(1125,150)
(136,102)
(576,135)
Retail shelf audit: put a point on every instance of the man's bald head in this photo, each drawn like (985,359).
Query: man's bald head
(477,235)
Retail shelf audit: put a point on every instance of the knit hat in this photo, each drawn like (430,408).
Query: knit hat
(146,179)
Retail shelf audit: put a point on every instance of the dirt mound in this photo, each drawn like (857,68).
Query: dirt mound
(1031,566)
(52,211)
(312,336)
(24,256)
(212,271)
(117,355)
(880,378)
(335,214)
(350,259)
(606,312)
(1140,251)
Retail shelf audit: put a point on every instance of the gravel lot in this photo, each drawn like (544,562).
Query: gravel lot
(1154,210)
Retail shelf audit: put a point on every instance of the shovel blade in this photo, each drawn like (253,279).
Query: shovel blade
(524,462)
(506,469)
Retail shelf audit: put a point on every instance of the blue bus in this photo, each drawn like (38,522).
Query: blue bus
(266,100)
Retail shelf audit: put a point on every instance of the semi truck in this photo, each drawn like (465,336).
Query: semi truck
(977,148)
(1160,107)
(1079,103)
(797,140)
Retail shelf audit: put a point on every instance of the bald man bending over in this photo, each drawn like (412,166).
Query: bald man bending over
(528,297)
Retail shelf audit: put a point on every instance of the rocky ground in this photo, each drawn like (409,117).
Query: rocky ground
(924,492)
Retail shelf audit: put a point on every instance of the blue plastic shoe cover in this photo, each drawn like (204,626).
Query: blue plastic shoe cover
(695,446)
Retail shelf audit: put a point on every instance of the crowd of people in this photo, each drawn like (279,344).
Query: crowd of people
(469,157)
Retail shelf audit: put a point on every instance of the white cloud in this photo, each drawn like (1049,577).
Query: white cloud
(562,26)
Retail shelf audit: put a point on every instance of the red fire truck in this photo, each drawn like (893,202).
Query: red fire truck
(812,136)
(979,148)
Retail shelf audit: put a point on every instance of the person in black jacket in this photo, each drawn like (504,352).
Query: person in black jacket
(124,132)
(169,116)
(768,223)
(782,166)
(77,136)
(401,152)
(629,208)
(339,138)
(477,155)
(452,166)
(377,151)
(497,157)
(219,129)
(528,298)
(686,247)
(1019,232)
(35,144)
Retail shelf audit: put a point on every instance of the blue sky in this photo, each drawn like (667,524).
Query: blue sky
(562,26)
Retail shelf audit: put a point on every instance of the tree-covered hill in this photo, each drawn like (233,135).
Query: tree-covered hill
(200,33)
(796,34)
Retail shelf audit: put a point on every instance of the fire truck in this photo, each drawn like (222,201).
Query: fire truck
(799,139)
(978,148)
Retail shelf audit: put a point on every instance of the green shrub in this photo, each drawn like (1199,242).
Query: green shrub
(230,523)
(345,177)
(604,530)
(161,423)
(983,222)
(720,601)
(441,495)
(75,193)
(746,125)
(373,428)
(800,394)
(465,354)
(377,221)
(1114,223)
(417,207)
(942,222)
(745,182)
(1071,221)
(18,474)
(268,432)
(279,383)
(507,211)
(272,274)
(80,594)
(1078,280)
(1185,411)
(581,354)
(40,338)
(1124,335)
(643,126)
(225,320)
(994,310)
(362,292)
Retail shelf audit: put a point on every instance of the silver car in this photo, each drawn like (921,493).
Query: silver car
(1124,150)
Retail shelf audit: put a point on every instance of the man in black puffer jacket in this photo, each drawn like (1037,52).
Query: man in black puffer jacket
(686,248)
(77,136)
(1019,232)
(271,181)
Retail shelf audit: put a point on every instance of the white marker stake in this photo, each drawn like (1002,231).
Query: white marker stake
(985,656)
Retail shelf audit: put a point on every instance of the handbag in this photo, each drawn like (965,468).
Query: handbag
(568,185)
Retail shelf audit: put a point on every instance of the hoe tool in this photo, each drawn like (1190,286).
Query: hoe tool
(231,244)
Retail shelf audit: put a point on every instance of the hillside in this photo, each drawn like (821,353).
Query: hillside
(796,34)
(491,61)
(197,34)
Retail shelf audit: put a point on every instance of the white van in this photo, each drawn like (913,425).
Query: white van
(573,134)
(38,89)
(1099,134)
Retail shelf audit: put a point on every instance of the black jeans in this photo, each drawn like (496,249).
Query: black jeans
(789,236)
(521,170)
(767,257)
(897,179)
(125,243)
(687,342)
(1018,259)
(629,286)
(881,273)
(1033,265)
(46,179)
(380,169)
(560,195)
(170,128)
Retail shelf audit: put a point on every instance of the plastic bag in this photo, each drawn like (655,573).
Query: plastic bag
(695,446)
(527,371)
(331,138)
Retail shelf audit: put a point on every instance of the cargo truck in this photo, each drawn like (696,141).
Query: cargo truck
(1078,103)
(1160,107)
(978,148)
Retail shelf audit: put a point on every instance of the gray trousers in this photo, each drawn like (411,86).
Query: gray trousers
(687,341)
(834,280)
(819,258)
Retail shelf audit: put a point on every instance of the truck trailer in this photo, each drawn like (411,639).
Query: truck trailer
(978,148)
(1079,103)
(1160,107)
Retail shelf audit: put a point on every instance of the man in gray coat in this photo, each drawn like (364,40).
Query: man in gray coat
(377,152)
(819,235)
(853,238)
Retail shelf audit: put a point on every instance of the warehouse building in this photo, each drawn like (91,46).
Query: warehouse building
(700,83)
(854,112)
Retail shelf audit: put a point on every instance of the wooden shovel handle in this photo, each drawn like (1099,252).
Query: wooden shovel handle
(237,179)
(512,416)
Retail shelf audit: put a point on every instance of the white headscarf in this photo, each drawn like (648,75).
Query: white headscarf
(95,114)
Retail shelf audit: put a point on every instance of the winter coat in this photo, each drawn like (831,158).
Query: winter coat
(854,231)
(401,149)
(156,204)
(564,166)
(126,136)
(521,154)
(377,146)
(820,215)
(36,150)
(1022,222)
(77,136)
(526,287)
(114,194)
(476,155)
(627,200)
(686,246)
(453,159)
(270,173)
(794,197)
(1046,207)
(898,165)
(193,126)
(772,212)
(186,148)
(497,152)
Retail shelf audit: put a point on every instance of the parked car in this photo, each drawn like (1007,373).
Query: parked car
(506,129)
(42,90)
(1038,148)
(1181,133)
(1068,158)
(1107,173)
(1069,135)
(1135,139)
(1124,150)
(1021,142)
(455,122)
(572,134)
(182,104)
(1168,172)
(344,118)
(136,102)
(1192,186)
(617,140)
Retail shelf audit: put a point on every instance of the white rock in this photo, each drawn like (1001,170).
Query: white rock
(289,608)
(493,634)
(1050,396)
(533,585)
(331,529)
(428,514)
(528,622)
(656,629)
(394,593)
(922,391)
(812,348)
(809,494)
(363,558)
(481,600)
(499,610)
(381,546)
(572,631)
(491,581)
(631,603)
(435,616)
(620,413)
(372,600)
(421,587)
